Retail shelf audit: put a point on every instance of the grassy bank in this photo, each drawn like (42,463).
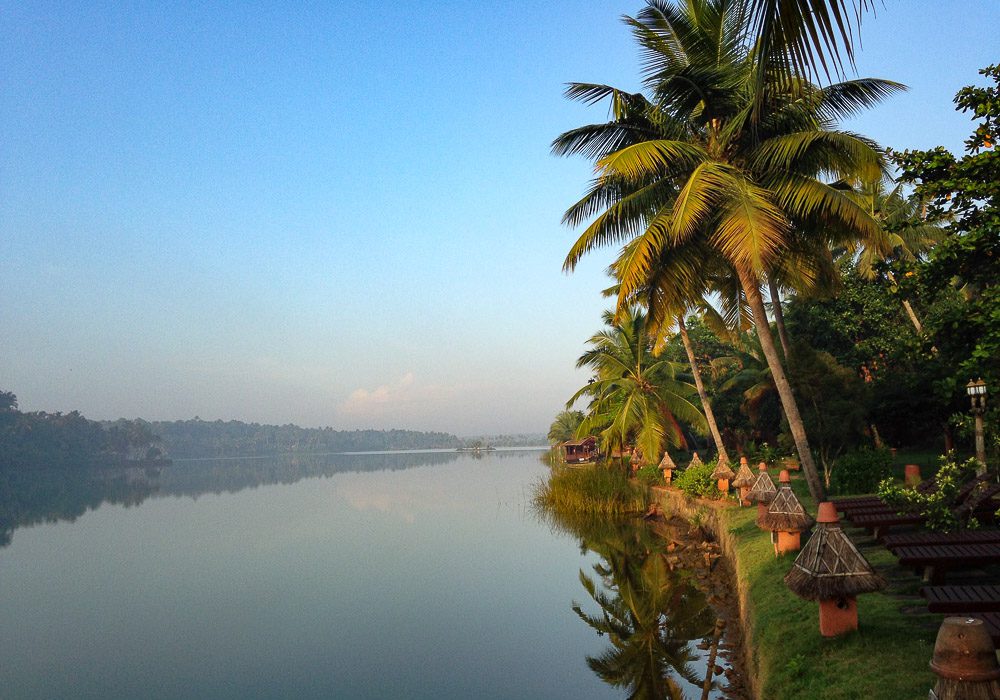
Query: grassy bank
(887,658)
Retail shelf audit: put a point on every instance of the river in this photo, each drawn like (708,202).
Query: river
(401,575)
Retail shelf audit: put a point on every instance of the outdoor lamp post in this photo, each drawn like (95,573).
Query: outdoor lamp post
(977,394)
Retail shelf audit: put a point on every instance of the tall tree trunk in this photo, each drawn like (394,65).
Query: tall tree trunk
(913,316)
(909,309)
(779,318)
(702,394)
(751,287)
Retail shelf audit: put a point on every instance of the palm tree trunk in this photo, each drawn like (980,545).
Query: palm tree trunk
(913,316)
(702,394)
(751,287)
(909,309)
(779,318)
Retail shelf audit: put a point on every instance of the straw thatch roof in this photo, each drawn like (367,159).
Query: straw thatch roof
(666,462)
(830,566)
(636,456)
(744,477)
(763,489)
(785,513)
(722,470)
(695,461)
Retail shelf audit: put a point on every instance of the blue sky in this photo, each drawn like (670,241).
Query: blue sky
(340,214)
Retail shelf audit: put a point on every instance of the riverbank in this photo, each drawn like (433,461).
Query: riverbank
(784,654)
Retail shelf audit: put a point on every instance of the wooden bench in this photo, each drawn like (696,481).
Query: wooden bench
(936,559)
(913,539)
(962,599)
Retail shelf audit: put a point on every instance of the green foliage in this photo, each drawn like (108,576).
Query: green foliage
(940,505)
(597,490)
(964,193)
(39,439)
(564,427)
(861,471)
(697,481)
(763,452)
(635,398)
(650,475)
(832,402)
(198,438)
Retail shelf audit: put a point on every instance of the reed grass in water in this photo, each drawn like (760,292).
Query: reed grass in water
(597,489)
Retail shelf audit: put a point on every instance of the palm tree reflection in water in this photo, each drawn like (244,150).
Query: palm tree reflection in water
(653,613)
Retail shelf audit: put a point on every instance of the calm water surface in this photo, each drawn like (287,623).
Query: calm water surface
(420,575)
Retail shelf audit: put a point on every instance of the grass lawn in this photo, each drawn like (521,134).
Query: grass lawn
(887,658)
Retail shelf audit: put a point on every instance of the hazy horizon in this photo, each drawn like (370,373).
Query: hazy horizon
(341,216)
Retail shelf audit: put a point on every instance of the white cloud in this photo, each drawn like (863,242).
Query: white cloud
(401,398)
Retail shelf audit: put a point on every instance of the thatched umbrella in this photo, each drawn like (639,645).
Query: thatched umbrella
(830,569)
(667,466)
(743,481)
(763,490)
(785,518)
(636,458)
(723,474)
(695,461)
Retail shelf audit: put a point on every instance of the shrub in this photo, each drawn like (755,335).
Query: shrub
(650,475)
(860,471)
(940,505)
(698,481)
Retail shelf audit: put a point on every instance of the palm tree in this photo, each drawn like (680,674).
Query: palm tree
(729,178)
(564,427)
(808,35)
(695,297)
(903,234)
(634,395)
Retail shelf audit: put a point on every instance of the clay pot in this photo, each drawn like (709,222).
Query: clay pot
(964,651)
(911,474)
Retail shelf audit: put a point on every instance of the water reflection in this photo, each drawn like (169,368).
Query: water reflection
(31,497)
(663,634)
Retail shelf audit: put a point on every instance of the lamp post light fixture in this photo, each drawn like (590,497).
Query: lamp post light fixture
(977,394)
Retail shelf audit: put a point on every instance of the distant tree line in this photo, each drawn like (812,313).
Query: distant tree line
(198,438)
(40,439)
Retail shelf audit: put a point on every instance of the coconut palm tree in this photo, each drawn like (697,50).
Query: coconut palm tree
(564,427)
(730,177)
(634,396)
(903,234)
(680,307)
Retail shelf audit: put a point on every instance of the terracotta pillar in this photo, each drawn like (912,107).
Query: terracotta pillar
(838,616)
(744,490)
(723,485)
(787,541)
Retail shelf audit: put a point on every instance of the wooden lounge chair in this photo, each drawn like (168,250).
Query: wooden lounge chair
(962,599)
(913,539)
(976,496)
(937,559)
(852,503)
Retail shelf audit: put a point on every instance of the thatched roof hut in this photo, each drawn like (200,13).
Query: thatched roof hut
(763,489)
(695,461)
(636,457)
(723,470)
(667,462)
(785,514)
(830,566)
(745,477)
